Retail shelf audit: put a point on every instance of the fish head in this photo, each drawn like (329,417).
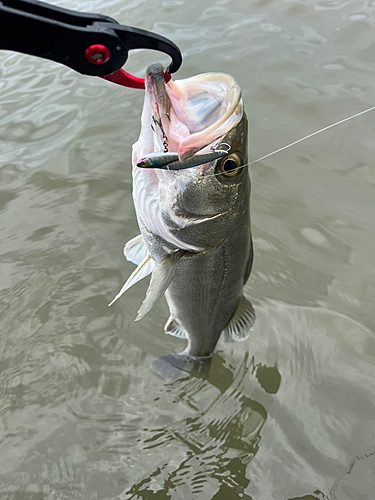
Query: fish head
(195,208)
(201,205)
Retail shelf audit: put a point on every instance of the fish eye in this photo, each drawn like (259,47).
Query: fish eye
(141,163)
(230,165)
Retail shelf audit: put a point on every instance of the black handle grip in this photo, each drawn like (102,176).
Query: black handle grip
(60,35)
(47,11)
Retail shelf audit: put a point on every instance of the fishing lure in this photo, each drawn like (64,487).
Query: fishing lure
(169,161)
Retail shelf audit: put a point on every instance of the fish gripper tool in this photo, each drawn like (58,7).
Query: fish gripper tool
(92,44)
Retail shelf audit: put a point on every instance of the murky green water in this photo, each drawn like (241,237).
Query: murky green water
(289,414)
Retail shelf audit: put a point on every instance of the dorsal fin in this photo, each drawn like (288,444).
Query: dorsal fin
(239,325)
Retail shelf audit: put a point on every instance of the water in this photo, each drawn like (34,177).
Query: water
(288,415)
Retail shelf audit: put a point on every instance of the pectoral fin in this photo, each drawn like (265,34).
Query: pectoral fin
(173,328)
(144,269)
(239,325)
(160,280)
(135,250)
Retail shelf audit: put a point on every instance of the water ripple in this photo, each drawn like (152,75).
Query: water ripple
(289,413)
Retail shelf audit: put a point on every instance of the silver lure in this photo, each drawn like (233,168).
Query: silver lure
(157,160)
(169,161)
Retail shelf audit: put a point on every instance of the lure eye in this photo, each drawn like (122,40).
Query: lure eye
(141,163)
(230,165)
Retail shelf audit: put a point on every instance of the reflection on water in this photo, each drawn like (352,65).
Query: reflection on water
(90,407)
(220,437)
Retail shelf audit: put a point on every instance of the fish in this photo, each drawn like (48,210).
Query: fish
(195,232)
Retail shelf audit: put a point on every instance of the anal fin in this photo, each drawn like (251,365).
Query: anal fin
(173,328)
(239,325)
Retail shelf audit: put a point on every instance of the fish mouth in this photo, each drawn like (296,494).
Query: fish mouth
(191,115)
(183,117)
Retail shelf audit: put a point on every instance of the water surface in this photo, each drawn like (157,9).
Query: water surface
(290,414)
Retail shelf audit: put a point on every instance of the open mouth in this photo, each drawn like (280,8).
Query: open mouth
(187,116)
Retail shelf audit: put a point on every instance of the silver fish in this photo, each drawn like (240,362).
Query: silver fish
(195,236)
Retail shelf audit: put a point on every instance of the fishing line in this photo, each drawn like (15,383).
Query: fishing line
(300,140)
